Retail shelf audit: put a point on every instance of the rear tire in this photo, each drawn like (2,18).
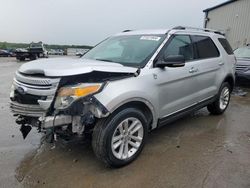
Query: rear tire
(33,57)
(220,105)
(119,139)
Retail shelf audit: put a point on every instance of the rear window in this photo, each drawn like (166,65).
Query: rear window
(226,45)
(205,47)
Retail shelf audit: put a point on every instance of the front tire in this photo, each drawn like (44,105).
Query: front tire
(220,105)
(119,139)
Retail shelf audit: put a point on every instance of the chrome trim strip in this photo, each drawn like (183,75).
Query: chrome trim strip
(45,104)
(31,86)
(36,80)
(188,106)
(27,110)
(35,91)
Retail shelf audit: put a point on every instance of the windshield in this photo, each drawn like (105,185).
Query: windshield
(128,50)
(242,53)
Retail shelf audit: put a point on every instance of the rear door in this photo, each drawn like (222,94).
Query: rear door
(209,63)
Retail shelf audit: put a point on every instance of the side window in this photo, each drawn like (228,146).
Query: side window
(226,45)
(180,45)
(205,47)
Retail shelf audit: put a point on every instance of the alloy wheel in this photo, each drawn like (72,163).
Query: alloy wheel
(127,138)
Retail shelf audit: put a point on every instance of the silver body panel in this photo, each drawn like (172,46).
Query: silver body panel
(165,91)
(58,67)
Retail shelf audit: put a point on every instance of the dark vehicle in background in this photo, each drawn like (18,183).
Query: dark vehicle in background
(6,53)
(34,51)
(243,63)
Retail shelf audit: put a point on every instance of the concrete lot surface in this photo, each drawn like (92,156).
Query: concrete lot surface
(200,150)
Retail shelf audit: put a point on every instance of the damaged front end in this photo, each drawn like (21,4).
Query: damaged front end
(64,107)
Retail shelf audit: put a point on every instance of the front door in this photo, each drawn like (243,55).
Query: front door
(177,85)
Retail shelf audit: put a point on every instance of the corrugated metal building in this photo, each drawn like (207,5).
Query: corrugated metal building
(232,18)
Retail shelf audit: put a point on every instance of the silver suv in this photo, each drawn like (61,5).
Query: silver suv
(126,86)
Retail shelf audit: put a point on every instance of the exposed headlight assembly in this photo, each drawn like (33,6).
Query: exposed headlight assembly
(67,95)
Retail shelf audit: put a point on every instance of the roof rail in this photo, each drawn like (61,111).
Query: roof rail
(199,29)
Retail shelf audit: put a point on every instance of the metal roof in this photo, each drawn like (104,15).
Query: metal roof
(220,5)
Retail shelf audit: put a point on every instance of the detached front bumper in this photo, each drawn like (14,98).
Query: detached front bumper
(27,110)
(32,99)
(80,113)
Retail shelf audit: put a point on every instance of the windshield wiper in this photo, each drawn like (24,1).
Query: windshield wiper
(110,61)
(106,60)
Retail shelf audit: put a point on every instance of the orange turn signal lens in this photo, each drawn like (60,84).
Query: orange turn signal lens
(78,91)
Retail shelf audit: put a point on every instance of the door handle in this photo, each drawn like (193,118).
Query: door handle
(193,70)
(221,63)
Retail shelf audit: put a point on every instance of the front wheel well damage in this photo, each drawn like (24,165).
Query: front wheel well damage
(140,106)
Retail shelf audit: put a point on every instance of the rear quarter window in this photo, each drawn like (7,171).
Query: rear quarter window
(226,45)
(205,47)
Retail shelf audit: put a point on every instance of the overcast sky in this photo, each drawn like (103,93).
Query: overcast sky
(89,21)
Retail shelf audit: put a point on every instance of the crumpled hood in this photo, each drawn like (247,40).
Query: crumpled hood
(66,66)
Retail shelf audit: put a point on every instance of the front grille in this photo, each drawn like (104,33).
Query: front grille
(39,81)
(38,86)
(30,91)
(241,68)
(27,98)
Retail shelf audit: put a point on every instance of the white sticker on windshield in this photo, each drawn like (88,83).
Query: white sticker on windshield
(154,38)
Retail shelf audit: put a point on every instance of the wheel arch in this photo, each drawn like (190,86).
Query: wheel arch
(230,80)
(141,104)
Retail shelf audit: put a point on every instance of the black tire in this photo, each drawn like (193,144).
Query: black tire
(215,108)
(22,58)
(33,57)
(103,133)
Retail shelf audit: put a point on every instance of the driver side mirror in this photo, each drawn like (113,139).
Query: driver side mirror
(171,61)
